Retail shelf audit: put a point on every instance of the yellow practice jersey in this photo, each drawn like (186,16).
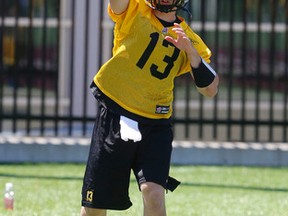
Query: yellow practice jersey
(140,75)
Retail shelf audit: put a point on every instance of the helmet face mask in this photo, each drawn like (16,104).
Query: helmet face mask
(166,8)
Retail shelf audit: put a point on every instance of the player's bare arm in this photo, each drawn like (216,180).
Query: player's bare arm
(182,42)
(119,6)
(211,90)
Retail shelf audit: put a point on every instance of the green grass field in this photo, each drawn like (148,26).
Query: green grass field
(54,190)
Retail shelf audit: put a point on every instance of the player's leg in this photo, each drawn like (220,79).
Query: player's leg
(151,167)
(107,175)
(85,211)
(153,199)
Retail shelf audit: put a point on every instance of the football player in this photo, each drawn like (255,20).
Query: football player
(132,132)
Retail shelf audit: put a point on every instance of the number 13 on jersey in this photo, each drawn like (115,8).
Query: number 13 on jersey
(167,59)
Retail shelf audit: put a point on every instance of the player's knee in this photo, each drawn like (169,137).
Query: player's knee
(153,195)
(85,211)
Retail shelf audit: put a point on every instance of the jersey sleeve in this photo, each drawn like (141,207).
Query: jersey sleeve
(200,46)
(124,20)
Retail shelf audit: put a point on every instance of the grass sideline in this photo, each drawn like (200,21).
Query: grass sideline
(54,189)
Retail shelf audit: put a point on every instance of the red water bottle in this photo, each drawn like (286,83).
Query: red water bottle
(9,196)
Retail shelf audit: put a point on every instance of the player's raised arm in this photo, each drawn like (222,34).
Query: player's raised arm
(206,79)
(119,6)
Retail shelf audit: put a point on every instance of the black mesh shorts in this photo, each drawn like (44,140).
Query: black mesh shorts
(110,161)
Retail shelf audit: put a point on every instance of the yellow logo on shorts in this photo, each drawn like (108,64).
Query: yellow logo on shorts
(89,196)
